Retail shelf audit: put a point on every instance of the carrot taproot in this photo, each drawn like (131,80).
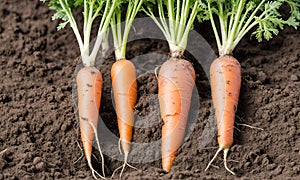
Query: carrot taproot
(89,88)
(89,79)
(124,87)
(123,76)
(236,19)
(225,79)
(176,80)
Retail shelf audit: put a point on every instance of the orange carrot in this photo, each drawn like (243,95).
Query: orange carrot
(125,94)
(89,79)
(89,87)
(123,75)
(235,20)
(176,80)
(225,77)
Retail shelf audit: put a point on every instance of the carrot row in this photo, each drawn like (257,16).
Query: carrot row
(176,78)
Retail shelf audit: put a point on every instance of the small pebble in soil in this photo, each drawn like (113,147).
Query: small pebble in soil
(247,164)
(294,78)
(292,164)
(277,171)
(40,166)
(140,172)
(180,176)
(262,77)
(36,160)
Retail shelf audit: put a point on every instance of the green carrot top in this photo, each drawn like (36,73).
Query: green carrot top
(238,17)
(91,9)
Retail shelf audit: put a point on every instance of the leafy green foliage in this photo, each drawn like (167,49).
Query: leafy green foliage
(120,35)
(270,23)
(62,8)
(237,17)
(176,18)
(90,9)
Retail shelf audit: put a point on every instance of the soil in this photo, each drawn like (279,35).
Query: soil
(39,125)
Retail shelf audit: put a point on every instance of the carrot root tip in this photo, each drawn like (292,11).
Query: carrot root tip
(123,166)
(212,160)
(225,161)
(94,172)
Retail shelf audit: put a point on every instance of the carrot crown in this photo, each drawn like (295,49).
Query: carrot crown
(176,20)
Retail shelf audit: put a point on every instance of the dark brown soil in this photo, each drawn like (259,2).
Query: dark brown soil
(39,126)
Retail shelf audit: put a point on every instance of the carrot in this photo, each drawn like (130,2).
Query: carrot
(236,19)
(124,87)
(123,76)
(225,77)
(89,79)
(89,87)
(176,80)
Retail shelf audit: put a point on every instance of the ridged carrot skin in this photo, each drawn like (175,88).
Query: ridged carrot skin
(89,87)
(225,77)
(125,94)
(176,80)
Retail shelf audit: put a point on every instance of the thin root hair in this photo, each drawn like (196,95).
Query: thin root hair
(3,151)
(78,158)
(252,127)
(94,172)
(225,160)
(99,148)
(123,166)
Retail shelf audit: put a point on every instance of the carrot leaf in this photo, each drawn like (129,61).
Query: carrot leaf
(175,20)
(237,17)
(120,35)
(91,10)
